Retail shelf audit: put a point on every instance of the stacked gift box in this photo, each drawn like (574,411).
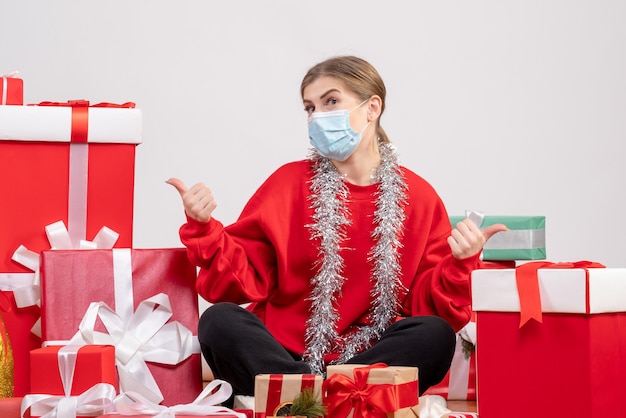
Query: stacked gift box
(524,241)
(90,321)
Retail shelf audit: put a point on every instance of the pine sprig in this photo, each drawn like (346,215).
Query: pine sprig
(308,405)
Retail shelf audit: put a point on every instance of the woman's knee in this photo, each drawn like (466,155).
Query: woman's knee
(217,320)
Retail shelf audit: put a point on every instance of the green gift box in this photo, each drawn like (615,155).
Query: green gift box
(525,239)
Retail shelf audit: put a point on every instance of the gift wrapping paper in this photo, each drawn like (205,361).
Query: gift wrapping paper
(10,408)
(392,390)
(460,381)
(574,349)
(127,281)
(525,239)
(11,90)
(271,391)
(94,364)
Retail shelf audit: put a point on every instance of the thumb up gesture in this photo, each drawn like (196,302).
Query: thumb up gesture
(198,200)
(467,239)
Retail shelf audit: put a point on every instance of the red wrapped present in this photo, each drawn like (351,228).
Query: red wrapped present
(352,390)
(57,163)
(11,89)
(273,391)
(142,301)
(207,404)
(549,332)
(10,408)
(80,380)
(96,401)
(460,381)
(80,367)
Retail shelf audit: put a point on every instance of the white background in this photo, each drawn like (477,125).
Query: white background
(509,107)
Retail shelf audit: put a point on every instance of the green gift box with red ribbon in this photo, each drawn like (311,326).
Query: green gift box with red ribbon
(547,332)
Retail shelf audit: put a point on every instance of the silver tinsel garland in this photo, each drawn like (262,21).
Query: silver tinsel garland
(329,194)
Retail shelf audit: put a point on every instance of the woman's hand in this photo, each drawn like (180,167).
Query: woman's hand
(198,200)
(467,239)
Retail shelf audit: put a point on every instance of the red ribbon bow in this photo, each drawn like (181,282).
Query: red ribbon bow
(528,285)
(80,115)
(344,394)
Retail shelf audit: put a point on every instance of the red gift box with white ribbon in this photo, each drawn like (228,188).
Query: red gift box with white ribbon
(548,332)
(142,301)
(71,381)
(58,163)
(11,89)
(91,364)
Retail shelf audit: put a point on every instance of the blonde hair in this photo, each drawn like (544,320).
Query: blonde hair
(358,75)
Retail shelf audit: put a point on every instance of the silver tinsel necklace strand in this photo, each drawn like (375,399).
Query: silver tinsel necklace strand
(329,194)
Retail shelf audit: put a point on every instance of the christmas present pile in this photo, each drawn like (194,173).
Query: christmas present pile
(90,321)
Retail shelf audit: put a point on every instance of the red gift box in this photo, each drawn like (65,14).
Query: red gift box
(93,364)
(271,391)
(128,281)
(59,163)
(11,90)
(11,408)
(40,146)
(574,349)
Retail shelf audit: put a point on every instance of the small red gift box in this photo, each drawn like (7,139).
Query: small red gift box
(130,283)
(271,391)
(93,364)
(574,347)
(11,90)
(11,408)
(352,390)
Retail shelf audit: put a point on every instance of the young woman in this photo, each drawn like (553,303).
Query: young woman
(344,257)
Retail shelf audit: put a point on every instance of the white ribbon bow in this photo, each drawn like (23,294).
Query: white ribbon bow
(207,403)
(96,400)
(144,336)
(59,238)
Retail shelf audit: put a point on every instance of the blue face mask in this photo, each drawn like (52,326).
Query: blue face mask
(332,136)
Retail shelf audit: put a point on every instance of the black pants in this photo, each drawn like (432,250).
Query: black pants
(238,346)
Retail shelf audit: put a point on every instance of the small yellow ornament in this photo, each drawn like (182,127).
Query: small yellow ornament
(6,363)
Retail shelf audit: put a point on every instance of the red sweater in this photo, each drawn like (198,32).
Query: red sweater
(267,256)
